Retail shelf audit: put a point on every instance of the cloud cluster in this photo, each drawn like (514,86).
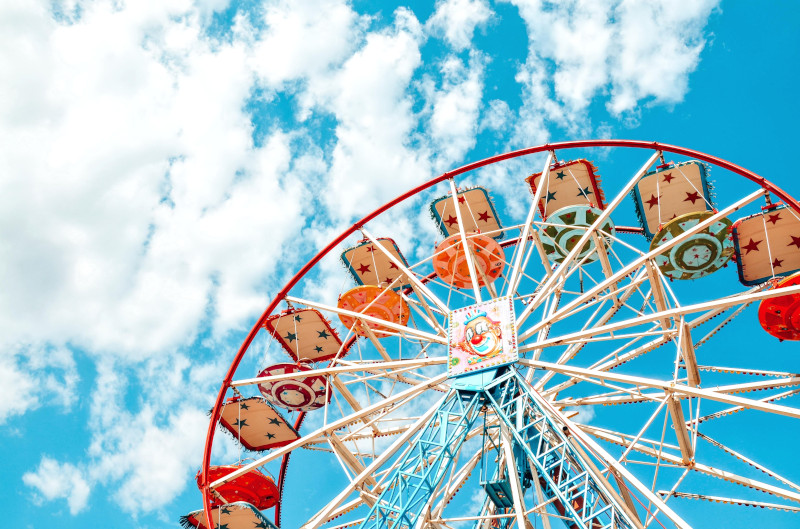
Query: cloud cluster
(54,480)
(626,52)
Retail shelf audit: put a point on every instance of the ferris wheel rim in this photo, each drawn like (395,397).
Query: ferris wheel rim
(547,147)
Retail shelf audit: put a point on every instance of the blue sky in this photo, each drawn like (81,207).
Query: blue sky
(166,166)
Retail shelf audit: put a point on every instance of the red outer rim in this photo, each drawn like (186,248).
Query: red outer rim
(637,144)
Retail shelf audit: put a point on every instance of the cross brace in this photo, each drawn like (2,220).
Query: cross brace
(542,451)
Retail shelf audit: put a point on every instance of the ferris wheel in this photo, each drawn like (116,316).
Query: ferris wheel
(607,358)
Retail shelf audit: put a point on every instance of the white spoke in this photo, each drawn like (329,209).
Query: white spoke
(671,314)
(467,252)
(670,387)
(514,275)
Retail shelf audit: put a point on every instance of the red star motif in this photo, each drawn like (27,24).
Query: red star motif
(774,218)
(751,246)
(692,196)
(451,220)
(363,268)
(668,178)
(652,201)
(388,280)
(795,241)
(461,199)
(776,263)
(392,265)
(484,216)
(370,249)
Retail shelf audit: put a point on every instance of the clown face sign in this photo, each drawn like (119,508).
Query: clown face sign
(482,336)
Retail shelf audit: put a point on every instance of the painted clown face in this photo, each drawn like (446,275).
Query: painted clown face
(482,337)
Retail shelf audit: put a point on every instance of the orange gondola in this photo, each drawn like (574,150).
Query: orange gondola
(375,302)
(450,260)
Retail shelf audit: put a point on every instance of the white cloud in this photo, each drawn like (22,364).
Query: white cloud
(583,414)
(17,389)
(660,44)
(458,19)
(456,107)
(135,200)
(496,115)
(372,158)
(34,376)
(627,51)
(303,39)
(54,480)
(148,456)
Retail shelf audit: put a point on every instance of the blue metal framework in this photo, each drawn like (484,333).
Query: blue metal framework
(423,467)
(541,448)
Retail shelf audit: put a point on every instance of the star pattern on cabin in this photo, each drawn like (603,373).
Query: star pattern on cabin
(275,421)
(225,510)
(560,175)
(693,197)
(795,241)
(270,436)
(777,263)
(223,526)
(318,349)
(652,201)
(774,218)
(297,318)
(244,406)
(388,280)
(323,334)
(261,525)
(585,192)
(451,220)
(751,246)
(363,268)
(551,195)
(240,423)
(291,336)
(370,249)
(668,178)
(461,199)
(393,266)
(484,216)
